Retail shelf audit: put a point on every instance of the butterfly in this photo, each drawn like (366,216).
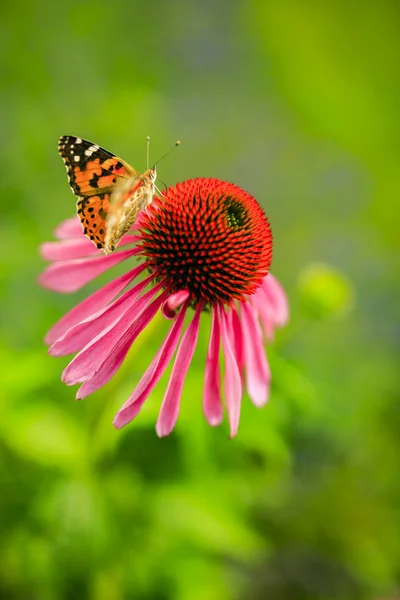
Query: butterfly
(110,192)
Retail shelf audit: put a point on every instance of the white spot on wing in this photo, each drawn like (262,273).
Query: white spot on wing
(76,158)
(78,141)
(91,149)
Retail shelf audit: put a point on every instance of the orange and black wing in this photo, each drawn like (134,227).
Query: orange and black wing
(93,173)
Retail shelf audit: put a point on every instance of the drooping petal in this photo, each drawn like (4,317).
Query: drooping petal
(70,275)
(70,228)
(68,249)
(237,334)
(173,302)
(128,238)
(265,313)
(277,298)
(90,359)
(92,304)
(153,373)
(212,405)
(82,333)
(77,247)
(119,351)
(170,405)
(232,379)
(258,375)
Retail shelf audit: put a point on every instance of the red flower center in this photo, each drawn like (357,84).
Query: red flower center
(209,237)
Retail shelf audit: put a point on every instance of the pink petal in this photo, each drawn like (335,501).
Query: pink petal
(258,375)
(212,405)
(119,351)
(70,275)
(92,304)
(82,333)
(238,344)
(173,302)
(90,359)
(265,312)
(69,228)
(170,406)
(232,379)
(277,298)
(77,247)
(153,373)
(68,249)
(129,238)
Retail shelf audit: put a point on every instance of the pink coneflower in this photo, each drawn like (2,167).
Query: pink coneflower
(204,248)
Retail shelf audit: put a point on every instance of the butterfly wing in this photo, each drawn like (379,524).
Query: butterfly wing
(93,174)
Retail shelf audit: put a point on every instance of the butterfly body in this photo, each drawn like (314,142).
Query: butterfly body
(127,199)
(110,192)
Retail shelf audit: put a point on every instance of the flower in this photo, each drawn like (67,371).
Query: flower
(205,248)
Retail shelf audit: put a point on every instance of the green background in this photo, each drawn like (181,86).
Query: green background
(297,102)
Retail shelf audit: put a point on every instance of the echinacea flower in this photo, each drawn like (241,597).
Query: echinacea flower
(204,249)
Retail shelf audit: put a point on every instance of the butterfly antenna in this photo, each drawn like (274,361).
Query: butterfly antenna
(169,152)
(163,182)
(159,191)
(148,152)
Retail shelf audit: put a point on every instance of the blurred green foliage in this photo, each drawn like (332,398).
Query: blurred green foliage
(325,292)
(299,104)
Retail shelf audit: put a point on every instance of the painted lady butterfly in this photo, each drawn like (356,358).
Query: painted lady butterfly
(110,192)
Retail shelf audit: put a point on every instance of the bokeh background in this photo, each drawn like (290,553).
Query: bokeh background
(297,102)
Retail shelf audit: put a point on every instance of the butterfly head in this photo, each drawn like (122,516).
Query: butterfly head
(148,178)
